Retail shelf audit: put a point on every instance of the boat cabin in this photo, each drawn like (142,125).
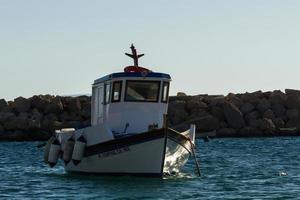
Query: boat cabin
(132,101)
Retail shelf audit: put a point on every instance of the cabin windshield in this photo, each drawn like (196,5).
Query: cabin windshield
(142,91)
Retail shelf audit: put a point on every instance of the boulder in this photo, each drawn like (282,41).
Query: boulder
(216,101)
(223,124)
(252,115)
(226,132)
(177,113)
(207,123)
(34,124)
(263,105)
(47,122)
(252,98)
(72,104)
(293,102)
(232,98)
(3,104)
(269,114)
(247,108)
(55,106)
(292,113)
(279,123)
(21,104)
(36,115)
(23,121)
(293,123)
(181,94)
(8,120)
(198,113)
(266,124)
(233,116)
(218,112)
(292,92)
(277,97)
(39,102)
(279,110)
(195,104)
(254,123)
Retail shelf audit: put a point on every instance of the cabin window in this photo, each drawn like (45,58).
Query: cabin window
(107,92)
(165,92)
(144,91)
(116,94)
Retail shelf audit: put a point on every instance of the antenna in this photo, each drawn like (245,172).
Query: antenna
(134,55)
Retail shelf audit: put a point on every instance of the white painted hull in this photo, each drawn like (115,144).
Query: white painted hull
(142,158)
(152,153)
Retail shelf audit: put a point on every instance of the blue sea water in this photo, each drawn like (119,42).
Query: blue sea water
(250,168)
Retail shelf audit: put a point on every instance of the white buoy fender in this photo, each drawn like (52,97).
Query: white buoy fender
(68,151)
(47,149)
(78,151)
(54,153)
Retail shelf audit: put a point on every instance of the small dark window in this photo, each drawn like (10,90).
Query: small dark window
(116,94)
(142,91)
(107,93)
(165,92)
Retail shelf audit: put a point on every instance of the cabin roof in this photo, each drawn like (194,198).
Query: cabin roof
(132,74)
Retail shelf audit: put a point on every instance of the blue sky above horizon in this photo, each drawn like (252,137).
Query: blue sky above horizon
(214,47)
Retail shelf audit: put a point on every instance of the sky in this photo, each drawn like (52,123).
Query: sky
(60,47)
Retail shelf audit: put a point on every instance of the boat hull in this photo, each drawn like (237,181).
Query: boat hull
(148,154)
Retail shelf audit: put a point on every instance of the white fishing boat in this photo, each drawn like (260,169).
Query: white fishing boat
(129,133)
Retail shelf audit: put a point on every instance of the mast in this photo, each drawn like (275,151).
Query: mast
(134,55)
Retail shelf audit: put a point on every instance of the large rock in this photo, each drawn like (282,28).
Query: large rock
(279,110)
(23,121)
(48,121)
(293,102)
(218,112)
(216,101)
(277,97)
(54,106)
(3,104)
(8,120)
(252,98)
(232,98)
(72,104)
(292,92)
(36,115)
(252,115)
(195,104)
(269,114)
(247,108)
(266,124)
(207,123)
(21,104)
(177,112)
(40,102)
(263,105)
(279,123)
(292,113)
(181,94)
(233,116)
(293,123)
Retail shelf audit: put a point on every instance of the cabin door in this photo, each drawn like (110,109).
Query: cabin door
(100,98)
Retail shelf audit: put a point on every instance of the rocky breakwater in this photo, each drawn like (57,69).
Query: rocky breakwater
(36,118)
(259,113)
